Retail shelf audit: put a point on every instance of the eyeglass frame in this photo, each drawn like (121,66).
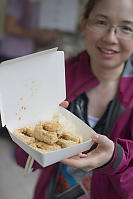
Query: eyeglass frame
(108,29)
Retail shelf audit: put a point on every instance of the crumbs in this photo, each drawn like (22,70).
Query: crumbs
(21,109)
(24,108)
(30,91)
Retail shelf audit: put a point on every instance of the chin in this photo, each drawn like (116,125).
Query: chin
(110,65)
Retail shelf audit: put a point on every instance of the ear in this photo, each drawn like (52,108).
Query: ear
(83,26)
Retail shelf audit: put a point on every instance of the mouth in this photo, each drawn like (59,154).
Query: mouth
(107,51)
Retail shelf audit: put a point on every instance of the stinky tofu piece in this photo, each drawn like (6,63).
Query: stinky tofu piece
(26,139)
(54,126)
(29,131)
(66,143)
(72,136)
(45,136)
(43,147)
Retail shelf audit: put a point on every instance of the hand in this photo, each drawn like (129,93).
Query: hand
(64,104)
(96,158)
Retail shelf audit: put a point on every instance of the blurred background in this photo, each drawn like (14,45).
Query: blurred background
(28,26)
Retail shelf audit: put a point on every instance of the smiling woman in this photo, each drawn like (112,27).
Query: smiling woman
(109,33)
(99,87)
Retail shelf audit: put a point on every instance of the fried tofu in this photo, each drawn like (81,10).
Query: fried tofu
(72,136)
(54,126)
(29,131)
(43,147)
(50,135)
(45,136)
(66,143)
(26,131)
(26,139)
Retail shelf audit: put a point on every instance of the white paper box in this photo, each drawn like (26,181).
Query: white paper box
(31,88)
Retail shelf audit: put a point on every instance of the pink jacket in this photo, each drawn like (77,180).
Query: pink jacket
(114,180)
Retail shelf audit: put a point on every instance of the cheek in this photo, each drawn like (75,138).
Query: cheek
(127,48)
(91,41)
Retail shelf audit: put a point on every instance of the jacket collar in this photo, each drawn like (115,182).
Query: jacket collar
(79,78)
(125,92)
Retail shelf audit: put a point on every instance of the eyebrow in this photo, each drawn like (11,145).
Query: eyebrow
(102,15)
(128,22)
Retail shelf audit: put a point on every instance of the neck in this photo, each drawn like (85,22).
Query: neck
(107,75)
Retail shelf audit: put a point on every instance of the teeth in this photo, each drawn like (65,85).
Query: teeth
(107,51)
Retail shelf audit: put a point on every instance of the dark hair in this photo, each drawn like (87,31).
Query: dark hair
(89,7)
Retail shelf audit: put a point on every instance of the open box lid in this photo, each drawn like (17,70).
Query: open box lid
(31,88)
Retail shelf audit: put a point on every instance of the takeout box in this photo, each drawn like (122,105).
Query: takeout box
(31,89)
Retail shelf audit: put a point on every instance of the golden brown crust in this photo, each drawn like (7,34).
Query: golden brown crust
(26,131)
(26,139)
(43,147)
(45,136)
(53,126)
(29,131)
(71,136)
(66,143)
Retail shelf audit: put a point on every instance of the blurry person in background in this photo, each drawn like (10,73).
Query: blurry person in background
(21,34)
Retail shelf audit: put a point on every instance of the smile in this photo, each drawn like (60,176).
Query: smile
(106,51)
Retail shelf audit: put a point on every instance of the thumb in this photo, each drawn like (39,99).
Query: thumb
(100,139)
(64,104)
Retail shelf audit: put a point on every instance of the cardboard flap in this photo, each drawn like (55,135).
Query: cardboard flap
(31,88)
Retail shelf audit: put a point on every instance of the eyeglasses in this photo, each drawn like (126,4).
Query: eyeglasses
(102,27)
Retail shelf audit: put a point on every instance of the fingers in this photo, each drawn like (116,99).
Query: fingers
(82,155)
(102,140)
(78,161)
(104,151)
(73,162)
(64,104)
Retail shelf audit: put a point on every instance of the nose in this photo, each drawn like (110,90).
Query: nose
(110,36)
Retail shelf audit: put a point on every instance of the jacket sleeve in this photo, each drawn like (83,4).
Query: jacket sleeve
(120,169)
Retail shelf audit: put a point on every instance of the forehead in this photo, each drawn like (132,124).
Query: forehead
(114,9)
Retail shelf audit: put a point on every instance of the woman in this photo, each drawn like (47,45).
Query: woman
(99,89)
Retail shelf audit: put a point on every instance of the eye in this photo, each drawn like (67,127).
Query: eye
(101,23)
(127,29)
